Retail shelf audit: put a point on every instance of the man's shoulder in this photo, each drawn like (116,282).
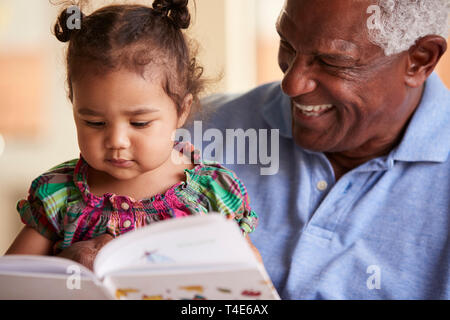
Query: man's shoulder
(251,101)
(260,107)
(262,94)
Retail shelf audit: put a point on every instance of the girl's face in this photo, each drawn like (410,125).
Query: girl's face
(124,123)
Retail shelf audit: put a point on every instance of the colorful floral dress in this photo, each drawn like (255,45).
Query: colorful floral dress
(61,207)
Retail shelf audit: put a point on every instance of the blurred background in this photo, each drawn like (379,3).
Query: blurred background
(237,40)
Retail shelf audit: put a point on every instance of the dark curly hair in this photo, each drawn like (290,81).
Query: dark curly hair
(134,37)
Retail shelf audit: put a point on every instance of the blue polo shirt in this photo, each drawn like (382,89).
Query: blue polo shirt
(380,232)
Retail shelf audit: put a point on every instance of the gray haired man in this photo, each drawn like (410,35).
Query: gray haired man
(360,206)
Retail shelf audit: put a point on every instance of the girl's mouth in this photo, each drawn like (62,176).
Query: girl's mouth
(120,163)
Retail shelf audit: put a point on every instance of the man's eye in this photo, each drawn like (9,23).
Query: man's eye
(140,124)
(286,45)
(336,65)
(328,64)
(95,124)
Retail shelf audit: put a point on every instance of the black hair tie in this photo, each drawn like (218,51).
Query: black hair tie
(175,10)
(61,29)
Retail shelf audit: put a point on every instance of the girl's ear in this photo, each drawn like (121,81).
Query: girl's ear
(185,110)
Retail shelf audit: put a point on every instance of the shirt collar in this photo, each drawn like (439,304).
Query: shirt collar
(80,180)
(427,137)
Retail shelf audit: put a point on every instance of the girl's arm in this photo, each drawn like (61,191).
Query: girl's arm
(30,241)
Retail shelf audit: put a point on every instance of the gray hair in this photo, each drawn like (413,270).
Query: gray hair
(398,24)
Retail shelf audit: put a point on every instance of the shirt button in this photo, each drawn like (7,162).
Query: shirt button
(322,185)
(126,223)
(125,206)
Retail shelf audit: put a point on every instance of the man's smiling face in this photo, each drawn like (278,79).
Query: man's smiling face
(346,94)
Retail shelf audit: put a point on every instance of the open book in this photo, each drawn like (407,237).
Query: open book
(195,257)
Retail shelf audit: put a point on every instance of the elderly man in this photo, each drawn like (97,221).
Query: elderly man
(360,206)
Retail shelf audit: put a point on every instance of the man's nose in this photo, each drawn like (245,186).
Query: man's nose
(297,79)
(117,138)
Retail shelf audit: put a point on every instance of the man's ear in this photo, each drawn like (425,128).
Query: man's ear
(423,58)
(185,110)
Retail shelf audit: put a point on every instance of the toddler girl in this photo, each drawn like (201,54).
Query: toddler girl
(132,82)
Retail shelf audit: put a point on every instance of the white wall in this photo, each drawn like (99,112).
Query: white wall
(25,27)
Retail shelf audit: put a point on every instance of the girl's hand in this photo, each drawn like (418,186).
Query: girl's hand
(84,252)
(255,251)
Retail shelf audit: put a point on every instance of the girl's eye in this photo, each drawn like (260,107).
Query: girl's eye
(95,124)
(140,124)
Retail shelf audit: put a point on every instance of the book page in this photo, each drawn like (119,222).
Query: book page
(41,265)
(198,257)
(35,286)
(45,277)
(223,283)
(193,240)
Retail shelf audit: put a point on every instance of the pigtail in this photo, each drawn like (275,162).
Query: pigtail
(176,10)
(68,22)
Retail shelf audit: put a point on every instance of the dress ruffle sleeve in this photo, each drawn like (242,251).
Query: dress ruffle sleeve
(47,197)
(222,191)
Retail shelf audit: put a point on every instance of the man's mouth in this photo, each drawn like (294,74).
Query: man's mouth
(312,110)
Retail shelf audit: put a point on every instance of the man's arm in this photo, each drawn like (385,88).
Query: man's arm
(84,252)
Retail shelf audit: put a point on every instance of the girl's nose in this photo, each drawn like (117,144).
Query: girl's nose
(297,79)
(117,138)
